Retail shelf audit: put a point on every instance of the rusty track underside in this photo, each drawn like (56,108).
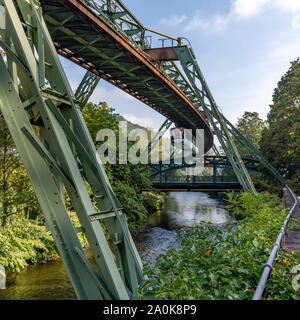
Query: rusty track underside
(86,39)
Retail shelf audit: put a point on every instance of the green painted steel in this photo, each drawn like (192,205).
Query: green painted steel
(89,39)
(215,162)
(216,151)
(44,118)
(219,183)
(208,104)
(58,153)
(255,153)
(124,21)
(174,73)
(62,24)
(158,136)
(86,88)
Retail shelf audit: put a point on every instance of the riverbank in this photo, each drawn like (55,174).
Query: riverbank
(181,210)
(26,242)
(226,264)
(50,280)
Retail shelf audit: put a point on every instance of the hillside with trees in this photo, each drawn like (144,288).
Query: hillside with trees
(280,141)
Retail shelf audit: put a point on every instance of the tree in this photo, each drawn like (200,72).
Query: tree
(16,193)
(251,127)
(280,142)
(99,117)
(127,180)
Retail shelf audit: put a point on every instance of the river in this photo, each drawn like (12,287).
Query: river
(49,281)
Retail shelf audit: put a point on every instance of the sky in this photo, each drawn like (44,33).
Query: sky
(243,47)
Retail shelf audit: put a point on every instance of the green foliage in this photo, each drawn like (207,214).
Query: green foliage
(131,202)
(266,185)
(23,238)
(246,205)
(294,223)
(16,193)
(221,264)
(251,127)
(294,181)
(25,242)
(81,235)
(280,142)
(152,201)
(128,180)
(99,117)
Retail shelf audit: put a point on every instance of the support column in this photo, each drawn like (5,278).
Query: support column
(61,156)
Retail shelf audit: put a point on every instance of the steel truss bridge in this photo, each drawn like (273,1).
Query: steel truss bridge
(219,178)
(44,118)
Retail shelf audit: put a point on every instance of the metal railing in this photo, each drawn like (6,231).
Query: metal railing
(268,267)
(196,179)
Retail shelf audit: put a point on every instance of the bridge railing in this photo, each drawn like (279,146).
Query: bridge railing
(268,267)
(196,179)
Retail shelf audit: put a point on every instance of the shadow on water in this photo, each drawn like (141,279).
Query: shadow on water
(49,281)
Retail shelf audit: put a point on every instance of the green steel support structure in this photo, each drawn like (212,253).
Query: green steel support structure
(45,121)
(158,136)
(57,151)
(86,88)
(123,20)
(215,162)
(255,153)
(141,37)
(208,104)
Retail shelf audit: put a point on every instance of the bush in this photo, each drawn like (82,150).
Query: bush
(25,242)
(221,264)
(152,201)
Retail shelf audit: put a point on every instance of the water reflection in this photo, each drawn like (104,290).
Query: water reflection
(185,209)
(48,281)
(182,209)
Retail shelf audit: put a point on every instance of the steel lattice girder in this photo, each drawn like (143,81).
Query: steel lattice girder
(86,88)
(89,40)
(255,153)
(175,74)
(121,19)
(158,136)
(208,104)
(35,91)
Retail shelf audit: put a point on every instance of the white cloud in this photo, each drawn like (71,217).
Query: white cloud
(240,9)
(142,121)
(251,86)
(111,95)
(288,5)
(214,24)
(288,52)
(246,8)
(173,20)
